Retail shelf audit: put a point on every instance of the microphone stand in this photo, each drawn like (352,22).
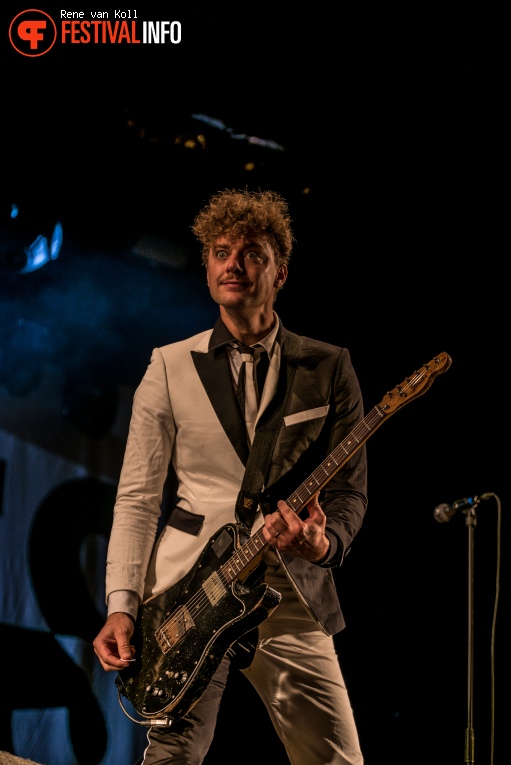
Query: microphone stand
(471,522)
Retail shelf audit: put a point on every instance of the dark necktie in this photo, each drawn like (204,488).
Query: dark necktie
(251,383)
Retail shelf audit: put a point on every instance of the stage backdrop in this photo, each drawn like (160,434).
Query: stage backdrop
(58,706)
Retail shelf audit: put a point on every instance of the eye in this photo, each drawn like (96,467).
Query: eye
(253,256)
(221,255)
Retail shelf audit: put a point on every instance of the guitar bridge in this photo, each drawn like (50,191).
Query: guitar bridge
(174,628)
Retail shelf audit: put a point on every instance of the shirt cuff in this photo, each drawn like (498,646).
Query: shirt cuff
(123,600)
(335,554)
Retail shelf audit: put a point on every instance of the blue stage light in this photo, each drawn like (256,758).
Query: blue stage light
(40,252)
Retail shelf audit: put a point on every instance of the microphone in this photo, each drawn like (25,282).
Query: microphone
(444,512)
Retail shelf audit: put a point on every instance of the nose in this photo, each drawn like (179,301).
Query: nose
(235,262)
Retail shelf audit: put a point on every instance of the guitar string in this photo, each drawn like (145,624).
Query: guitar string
(256,543)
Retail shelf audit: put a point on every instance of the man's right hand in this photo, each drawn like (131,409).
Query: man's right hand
(112,646)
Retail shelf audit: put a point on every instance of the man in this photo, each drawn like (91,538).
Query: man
(186,415)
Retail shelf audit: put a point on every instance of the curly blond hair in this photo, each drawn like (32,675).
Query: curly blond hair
(246,213)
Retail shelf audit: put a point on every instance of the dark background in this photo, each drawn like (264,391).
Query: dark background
(396,127)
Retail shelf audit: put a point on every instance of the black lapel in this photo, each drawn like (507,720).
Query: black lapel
(215,374)
(266,434)
(290,354)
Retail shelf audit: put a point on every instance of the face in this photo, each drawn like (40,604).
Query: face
(242,273)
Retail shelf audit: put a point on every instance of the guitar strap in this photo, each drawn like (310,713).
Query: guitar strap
(265,438)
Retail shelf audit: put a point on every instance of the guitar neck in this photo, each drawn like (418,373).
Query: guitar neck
(314,483)
(336,459)
(411,387)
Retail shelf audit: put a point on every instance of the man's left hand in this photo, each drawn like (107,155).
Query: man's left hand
(285,530)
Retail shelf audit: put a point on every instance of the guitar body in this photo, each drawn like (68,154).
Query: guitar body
(183,633)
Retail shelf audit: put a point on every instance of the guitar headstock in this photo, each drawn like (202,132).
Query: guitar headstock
(416,384)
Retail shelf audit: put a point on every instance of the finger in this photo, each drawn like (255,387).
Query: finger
(286,516)
(314,501)
(269,535)
(109,662)
(126,652)
(283,508)
(316,513)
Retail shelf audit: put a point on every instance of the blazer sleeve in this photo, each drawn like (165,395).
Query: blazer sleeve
(344,498)
(325,406)
(143,474)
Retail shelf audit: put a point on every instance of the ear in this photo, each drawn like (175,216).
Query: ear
(281,277)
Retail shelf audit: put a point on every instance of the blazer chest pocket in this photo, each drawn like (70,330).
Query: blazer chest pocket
(305,416)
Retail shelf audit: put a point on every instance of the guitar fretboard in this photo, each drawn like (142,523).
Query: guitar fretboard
(409,389)
(314,483)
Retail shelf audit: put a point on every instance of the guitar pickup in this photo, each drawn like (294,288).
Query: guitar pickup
(214,589)
(174,628)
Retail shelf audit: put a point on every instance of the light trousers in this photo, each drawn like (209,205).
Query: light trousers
(296,673)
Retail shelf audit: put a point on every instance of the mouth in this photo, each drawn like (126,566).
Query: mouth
(234,283)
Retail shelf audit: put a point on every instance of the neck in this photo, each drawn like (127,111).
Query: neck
(248,329)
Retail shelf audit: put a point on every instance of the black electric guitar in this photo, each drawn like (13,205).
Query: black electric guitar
(182,634)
